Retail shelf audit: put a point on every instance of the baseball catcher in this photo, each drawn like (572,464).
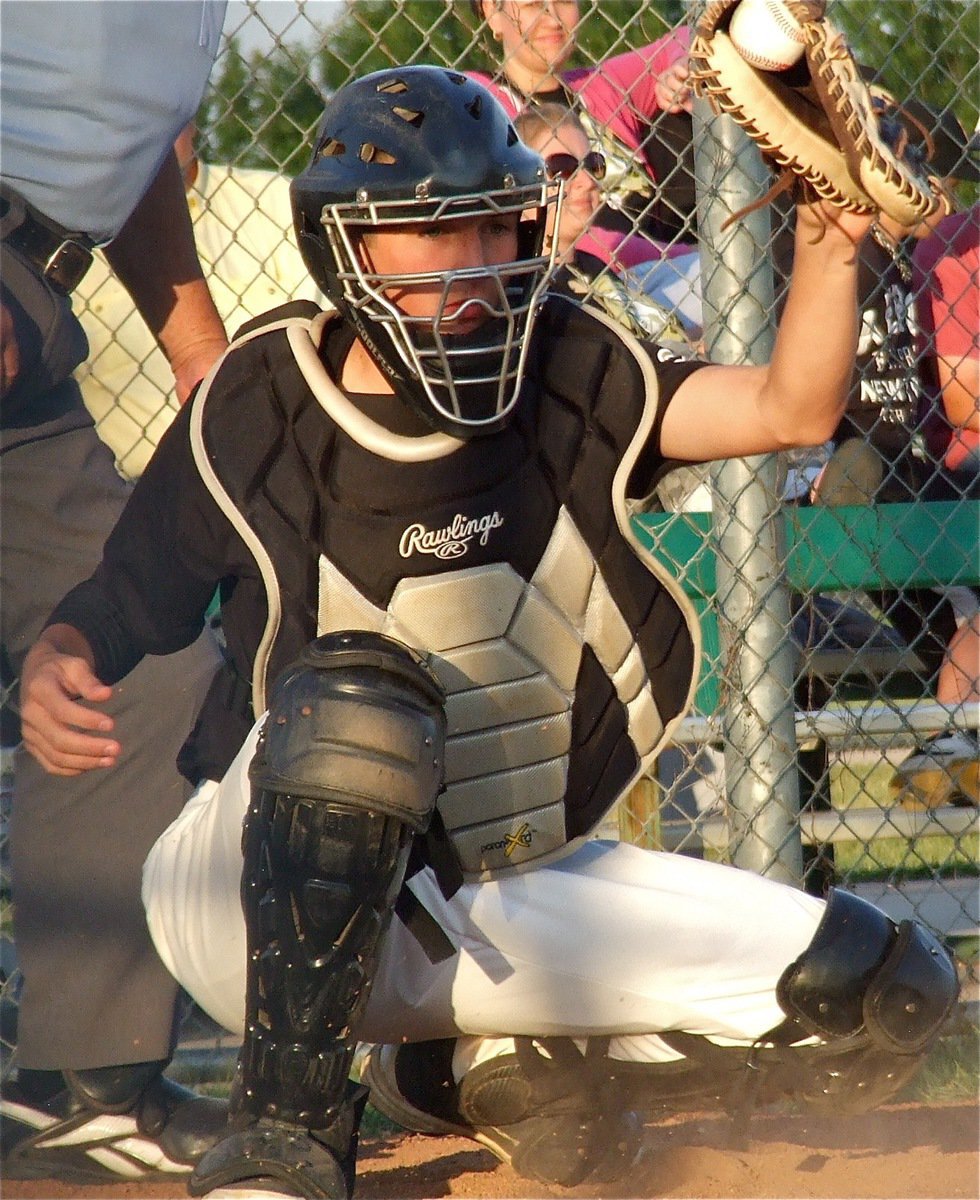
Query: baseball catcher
(415,507)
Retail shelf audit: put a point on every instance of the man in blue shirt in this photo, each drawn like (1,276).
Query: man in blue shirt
(93,96)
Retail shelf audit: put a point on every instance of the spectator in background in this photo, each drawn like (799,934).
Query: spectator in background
(587,270)
(945,272)
(880,447)
(93,96)
(243,231)
(635,108)
(885,409)
(946,281)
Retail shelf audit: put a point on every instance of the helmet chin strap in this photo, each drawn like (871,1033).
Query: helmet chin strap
(406,391)
(363,371)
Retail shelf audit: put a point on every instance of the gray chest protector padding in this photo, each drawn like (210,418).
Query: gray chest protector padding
(860,972)
(509,653)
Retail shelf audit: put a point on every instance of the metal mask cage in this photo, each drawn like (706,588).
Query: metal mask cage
(449,367)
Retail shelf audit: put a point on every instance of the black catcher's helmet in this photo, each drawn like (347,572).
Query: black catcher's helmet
(420,144)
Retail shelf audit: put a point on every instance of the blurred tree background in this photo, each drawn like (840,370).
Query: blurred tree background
(261,111)
(263,108)
(926,48)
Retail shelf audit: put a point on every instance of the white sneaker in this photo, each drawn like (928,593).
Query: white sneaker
(945,769)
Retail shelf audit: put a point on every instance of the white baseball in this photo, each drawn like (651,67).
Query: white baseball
(766,34)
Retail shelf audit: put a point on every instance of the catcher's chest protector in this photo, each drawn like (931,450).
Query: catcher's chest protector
(505,562)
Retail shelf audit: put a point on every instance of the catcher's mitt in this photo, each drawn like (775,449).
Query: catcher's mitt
(817,119)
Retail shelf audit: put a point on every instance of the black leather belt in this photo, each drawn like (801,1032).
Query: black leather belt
(60,256)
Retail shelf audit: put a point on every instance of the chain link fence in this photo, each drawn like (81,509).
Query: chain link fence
(837,586)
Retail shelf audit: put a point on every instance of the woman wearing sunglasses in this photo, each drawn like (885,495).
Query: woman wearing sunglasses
(596,261)
(635,108)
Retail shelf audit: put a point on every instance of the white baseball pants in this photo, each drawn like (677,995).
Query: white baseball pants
(613,940)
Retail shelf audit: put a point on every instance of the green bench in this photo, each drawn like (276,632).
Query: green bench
(846,548)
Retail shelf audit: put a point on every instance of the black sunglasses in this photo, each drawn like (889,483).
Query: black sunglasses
(564,166)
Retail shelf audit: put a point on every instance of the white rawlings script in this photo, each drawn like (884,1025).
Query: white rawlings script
(453,540)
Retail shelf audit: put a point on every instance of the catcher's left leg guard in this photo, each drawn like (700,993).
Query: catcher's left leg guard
(347,770)
(876,994)
(552,1113)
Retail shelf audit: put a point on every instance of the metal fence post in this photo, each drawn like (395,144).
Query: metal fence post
(757,709)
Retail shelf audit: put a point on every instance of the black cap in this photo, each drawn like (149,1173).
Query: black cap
(937,140)
(953,154)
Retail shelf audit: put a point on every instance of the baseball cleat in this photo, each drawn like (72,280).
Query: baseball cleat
(64,1137)
(555,1143)
(945,769)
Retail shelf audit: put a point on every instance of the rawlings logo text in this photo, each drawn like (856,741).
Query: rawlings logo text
(453,540)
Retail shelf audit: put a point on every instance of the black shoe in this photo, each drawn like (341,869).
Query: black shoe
(564,1139)
(110,1125)
(823,625)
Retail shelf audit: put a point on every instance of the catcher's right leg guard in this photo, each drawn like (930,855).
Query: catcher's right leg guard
(347,770)
(549,1111)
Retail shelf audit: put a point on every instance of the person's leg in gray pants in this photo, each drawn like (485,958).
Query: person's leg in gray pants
(95,993)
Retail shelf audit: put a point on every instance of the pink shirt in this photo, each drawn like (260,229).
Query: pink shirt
(627,250)
(946,267)
(619,93)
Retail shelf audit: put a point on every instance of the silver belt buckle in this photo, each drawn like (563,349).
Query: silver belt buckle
(67,265)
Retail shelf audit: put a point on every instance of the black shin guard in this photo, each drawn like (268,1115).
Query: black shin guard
(347,770)
(318,893)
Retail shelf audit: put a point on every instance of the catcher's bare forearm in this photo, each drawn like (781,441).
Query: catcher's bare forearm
(813,359)
(797,399)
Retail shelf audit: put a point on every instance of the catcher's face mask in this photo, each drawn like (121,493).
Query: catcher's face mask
(422,217)
(449,303)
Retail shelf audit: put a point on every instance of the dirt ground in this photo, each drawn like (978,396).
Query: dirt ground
(900,1152)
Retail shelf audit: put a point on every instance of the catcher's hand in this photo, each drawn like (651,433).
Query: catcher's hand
(818,119)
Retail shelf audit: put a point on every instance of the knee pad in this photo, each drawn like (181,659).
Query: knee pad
(862,973)
(358,720)
(346,771)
